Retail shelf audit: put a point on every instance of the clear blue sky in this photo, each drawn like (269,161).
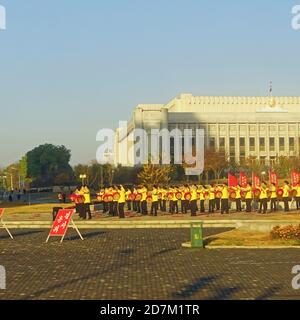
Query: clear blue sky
(71,67)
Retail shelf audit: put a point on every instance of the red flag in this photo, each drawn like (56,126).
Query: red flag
(273,177)
(232,180)
(243,179)
(255,180)
(295,178)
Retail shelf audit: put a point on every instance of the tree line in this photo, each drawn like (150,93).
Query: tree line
(49,165)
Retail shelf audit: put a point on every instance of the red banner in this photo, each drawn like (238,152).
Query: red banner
(273,177)
(243,179)
(232,180)
(62,220)
(1,212)
(295,178)
(255,180)
(61,223)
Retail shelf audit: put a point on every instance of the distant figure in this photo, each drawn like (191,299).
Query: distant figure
(11,194)
(19,195)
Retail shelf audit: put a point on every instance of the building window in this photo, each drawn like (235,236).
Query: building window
(252,144)
(262,144)
(222,144)
(242,142)
(292,144)
(212,143)
(272,144)
(281,144)
(232,147)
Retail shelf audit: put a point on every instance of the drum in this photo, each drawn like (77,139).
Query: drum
(79,199)
(170,195)
(178,195)
(232,194)
(256,193)
(187,196)
(243,195)
(149,199)
(218,194)
(138,197)
(280,193)
(116,196)
(131,197)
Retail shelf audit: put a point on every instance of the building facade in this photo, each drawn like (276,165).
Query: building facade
(243,127)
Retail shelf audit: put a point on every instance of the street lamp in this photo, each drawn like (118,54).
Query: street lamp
(82,177)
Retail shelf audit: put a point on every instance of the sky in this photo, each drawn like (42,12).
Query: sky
(69,68)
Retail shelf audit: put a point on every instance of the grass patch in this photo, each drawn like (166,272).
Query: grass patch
(247,238)
(18,208)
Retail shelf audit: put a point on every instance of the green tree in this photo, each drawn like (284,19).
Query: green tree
(46,162)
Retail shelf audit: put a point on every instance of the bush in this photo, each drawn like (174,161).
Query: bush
(286,232)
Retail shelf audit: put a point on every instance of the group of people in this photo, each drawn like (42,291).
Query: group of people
(184,198)
(82,199)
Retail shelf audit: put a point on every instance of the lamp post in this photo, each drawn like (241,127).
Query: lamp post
(82,177)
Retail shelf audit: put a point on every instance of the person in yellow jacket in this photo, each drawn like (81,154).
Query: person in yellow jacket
(225,199)
(238,198)
(184,203)
(218,200)
(297,188)
(248,196)
(163,203)
(273,191)
(285,196)
(154,205)
(193,202)
(202,191)
(263,198)
(175,208)
(87,202)
(144,206)
(128,194)
(121,201)
(212,197)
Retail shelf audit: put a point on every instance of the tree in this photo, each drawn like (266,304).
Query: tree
(46,162)
(215,161)
(152,174)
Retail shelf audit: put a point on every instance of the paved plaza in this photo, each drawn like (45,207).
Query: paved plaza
(140,264)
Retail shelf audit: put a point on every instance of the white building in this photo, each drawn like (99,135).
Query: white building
(258,127)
